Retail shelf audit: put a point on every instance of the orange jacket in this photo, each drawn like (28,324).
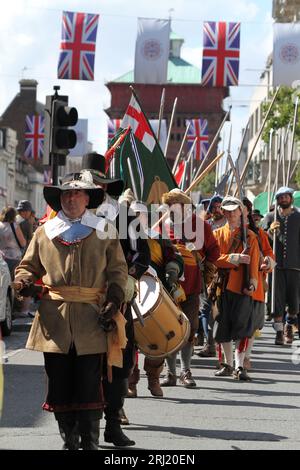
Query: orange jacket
(265,250)
(224,238)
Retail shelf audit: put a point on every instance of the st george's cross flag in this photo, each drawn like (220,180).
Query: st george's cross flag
(221,53)
(152,51)
(136,119)
(34,137)
(114,124)
(198,128)
(78,46)
(286,53)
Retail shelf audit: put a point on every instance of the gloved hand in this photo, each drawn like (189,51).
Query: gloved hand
(172,272)
(130,289)
(275,227)
(108,310)
(171,277)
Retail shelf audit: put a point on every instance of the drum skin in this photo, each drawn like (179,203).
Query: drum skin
(166,328)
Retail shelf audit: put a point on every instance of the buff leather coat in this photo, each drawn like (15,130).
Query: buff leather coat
(90,263)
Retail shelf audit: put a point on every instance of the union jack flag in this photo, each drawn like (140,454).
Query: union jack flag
(78,45)
(221,53)
(198,128)
(34,137)
(113,126)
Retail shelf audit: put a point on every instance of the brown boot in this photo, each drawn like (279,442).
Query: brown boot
(169,381)
(153,370)
(133,380)
(288,334)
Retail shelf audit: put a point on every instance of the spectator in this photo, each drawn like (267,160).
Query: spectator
(12,240)
(24,219)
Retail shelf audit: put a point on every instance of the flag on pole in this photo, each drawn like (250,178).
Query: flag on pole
(136,140)
(152,51)
(198,128)
(136,119)
(78,46)
(179,172)
(34,136)
(221,53)
(286,53)
(113,125)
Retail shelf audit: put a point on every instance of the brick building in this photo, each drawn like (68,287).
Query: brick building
(183,82)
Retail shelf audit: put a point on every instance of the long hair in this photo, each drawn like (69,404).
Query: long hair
(8,214)
(251,222)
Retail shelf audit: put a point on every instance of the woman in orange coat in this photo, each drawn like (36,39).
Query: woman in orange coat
(266,265)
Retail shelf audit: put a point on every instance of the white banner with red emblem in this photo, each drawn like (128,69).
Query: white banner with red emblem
(286,53)
(152,51)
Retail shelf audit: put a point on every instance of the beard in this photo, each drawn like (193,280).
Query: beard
(218,216)
(285,205)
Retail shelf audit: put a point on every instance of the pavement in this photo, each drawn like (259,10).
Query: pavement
(220,413)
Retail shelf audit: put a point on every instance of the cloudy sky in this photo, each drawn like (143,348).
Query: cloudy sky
(30,32)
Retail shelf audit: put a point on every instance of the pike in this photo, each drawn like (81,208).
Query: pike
(244,230)
(180,150)
(170,126)
(161,112)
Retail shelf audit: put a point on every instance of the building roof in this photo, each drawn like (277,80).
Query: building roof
(179,71)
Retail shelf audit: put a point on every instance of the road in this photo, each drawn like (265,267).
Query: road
(221,413)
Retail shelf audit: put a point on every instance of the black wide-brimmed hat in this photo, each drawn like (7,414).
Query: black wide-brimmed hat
(95,163)
(82,180)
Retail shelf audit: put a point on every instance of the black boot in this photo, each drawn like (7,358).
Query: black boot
(114,395)
(89,427)
(68,428)
(114,434)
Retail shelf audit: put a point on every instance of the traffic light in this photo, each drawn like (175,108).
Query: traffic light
(58,137)
(63,117)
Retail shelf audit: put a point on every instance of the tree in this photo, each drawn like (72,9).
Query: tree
(297,177)
(281,113)
(207,185)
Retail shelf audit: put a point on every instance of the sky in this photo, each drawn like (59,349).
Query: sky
(30,34)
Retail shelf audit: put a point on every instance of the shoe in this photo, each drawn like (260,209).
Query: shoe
(31,314)
(207,351)
(169,381)
(187,380)
(155,388)
(279,338)
(226,371)
(132,391)
(288,334)
(247,363)
(268,317)
(123,418)
(241,374)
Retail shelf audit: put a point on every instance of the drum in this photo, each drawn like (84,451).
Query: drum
(166,328)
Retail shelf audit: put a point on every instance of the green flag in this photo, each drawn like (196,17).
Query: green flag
(139,160)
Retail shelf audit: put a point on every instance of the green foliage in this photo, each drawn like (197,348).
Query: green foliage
(281,113)
(297,177)
(207,185)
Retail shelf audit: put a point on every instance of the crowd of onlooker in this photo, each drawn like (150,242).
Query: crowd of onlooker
(16,230)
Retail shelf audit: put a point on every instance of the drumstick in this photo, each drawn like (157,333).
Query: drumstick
(139,291)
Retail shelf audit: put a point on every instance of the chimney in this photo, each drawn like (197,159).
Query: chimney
(28,86)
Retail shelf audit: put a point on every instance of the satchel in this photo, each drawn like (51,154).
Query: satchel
(15,235)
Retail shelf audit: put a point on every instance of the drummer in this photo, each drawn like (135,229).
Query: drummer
(193,245)
(167,264)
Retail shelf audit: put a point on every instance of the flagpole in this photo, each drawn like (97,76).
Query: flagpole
(188,159)
(181,147)
(213,142)
(292,143)
(243,174)
(161,112)
(170,126)
(270,165)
